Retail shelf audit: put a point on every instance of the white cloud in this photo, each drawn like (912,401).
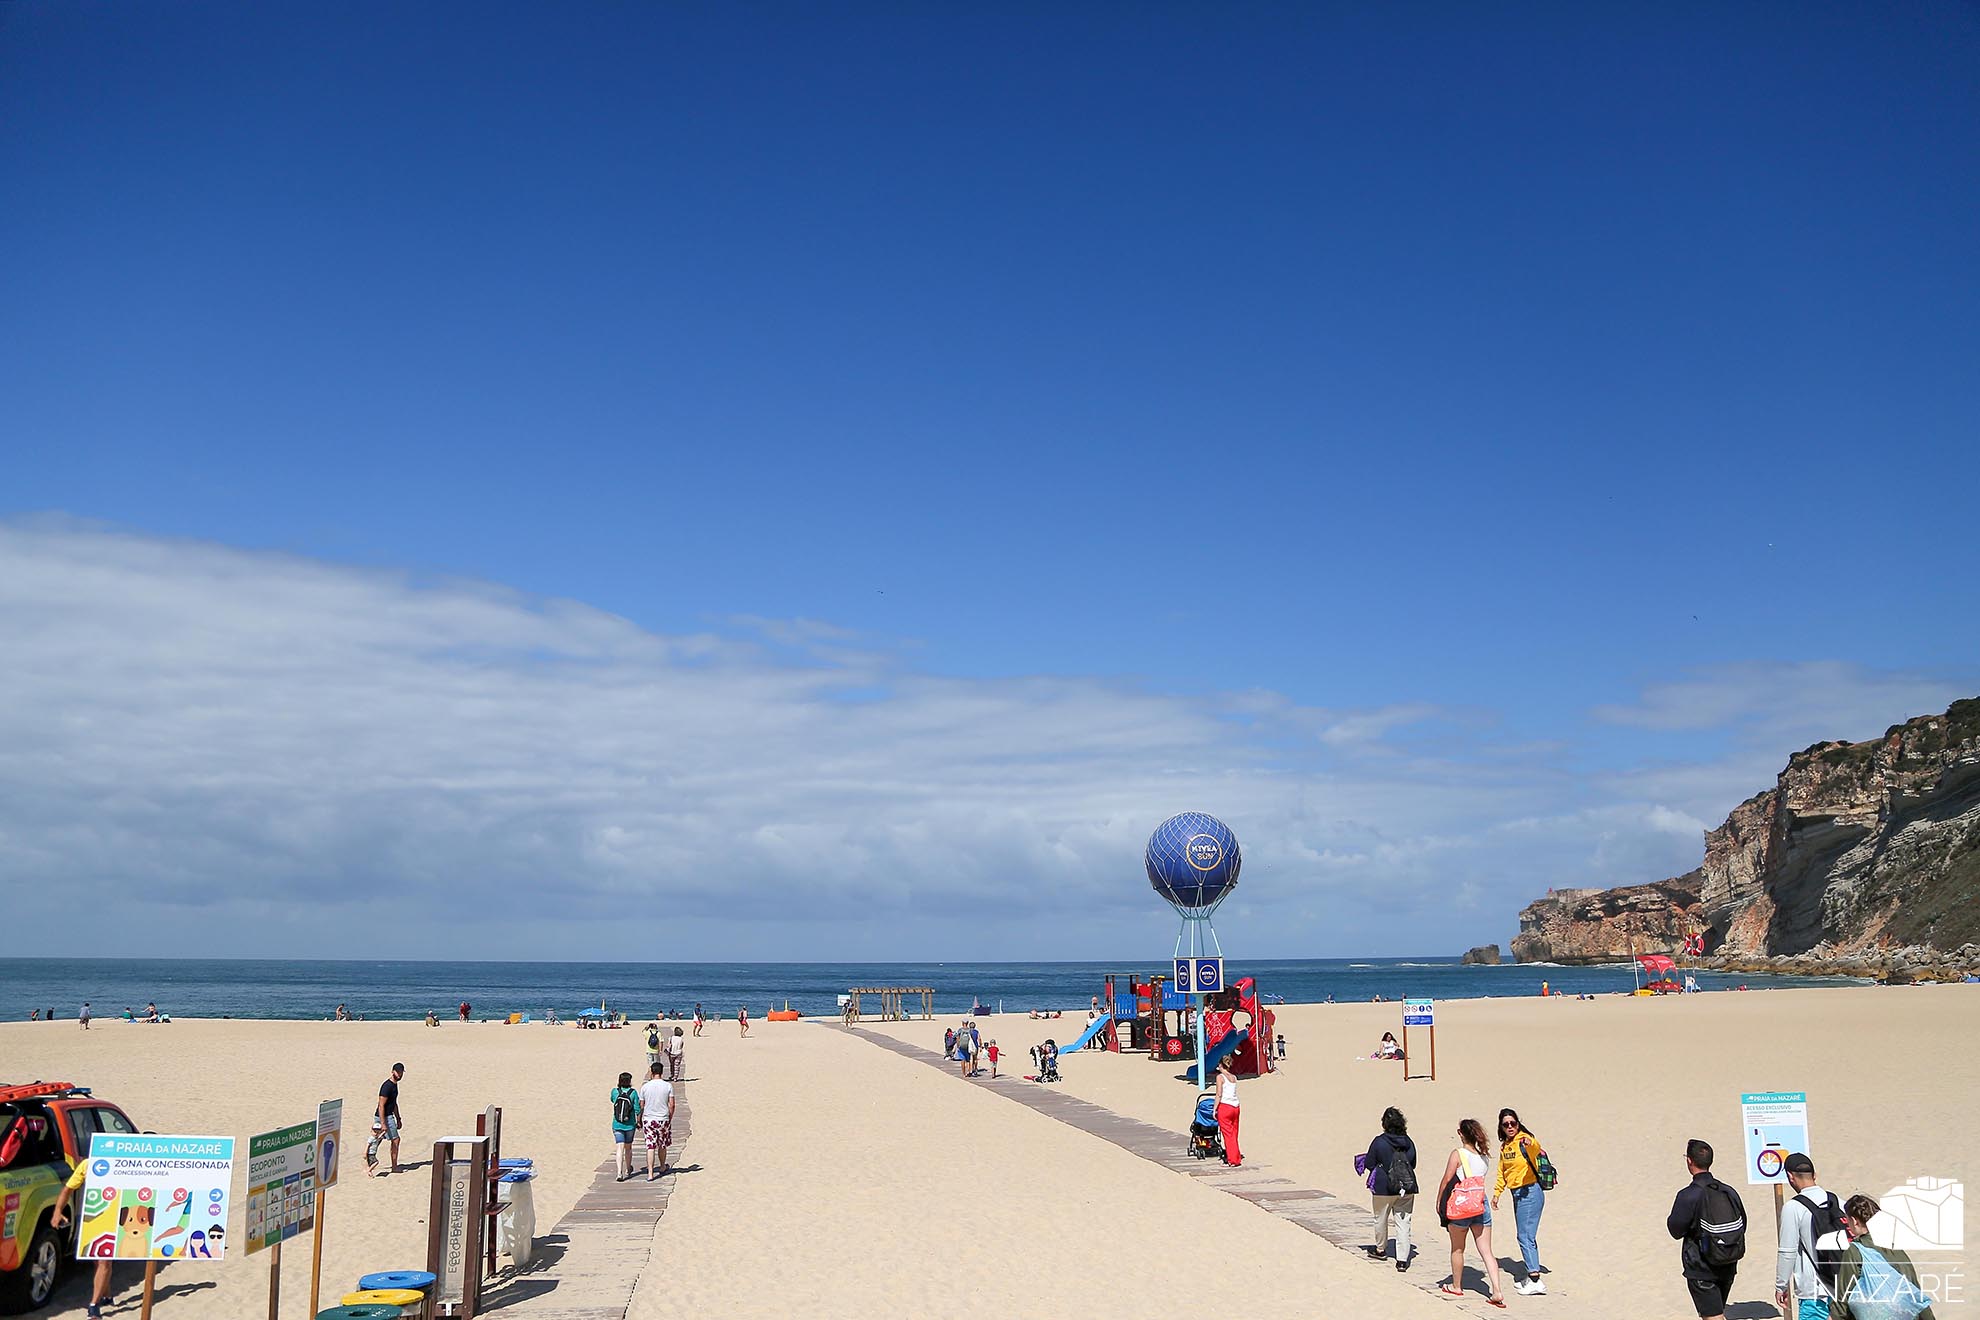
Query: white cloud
(208,750)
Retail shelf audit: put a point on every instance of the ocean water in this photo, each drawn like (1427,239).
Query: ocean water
(269,988)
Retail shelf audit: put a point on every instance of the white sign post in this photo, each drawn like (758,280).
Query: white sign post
(1419,1013)
(1775,1126)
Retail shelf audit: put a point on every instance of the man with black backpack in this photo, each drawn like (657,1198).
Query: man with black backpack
(1813,1242)
(1709,1220)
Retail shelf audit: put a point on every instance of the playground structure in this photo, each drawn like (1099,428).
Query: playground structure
(893,1002)
(1157,1021)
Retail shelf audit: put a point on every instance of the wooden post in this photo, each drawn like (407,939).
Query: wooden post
(150,1277)
(490,1125)
(316,1256)
(1433,1052)
(275,1282)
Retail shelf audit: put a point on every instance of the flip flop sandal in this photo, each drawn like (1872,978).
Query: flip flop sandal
(1449,1291)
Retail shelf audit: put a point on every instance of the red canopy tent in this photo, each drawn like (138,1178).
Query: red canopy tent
(1656,962)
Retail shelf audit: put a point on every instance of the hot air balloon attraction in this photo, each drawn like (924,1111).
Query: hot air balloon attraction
(1193,862)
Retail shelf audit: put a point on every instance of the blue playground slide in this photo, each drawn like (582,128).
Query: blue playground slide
(1231,1042)
(1092,1030)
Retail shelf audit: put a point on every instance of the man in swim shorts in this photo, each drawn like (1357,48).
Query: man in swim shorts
(385,1122)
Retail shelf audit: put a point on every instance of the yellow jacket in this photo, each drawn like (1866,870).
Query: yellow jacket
(1516,1160)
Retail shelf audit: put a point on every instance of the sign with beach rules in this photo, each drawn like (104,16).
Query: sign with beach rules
(1776,1126)
(281,1185)
(149,1197)
(329,1141)
(1419,1013)
(1200,976)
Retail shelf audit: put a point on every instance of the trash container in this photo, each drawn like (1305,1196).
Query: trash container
(515,1226)
(417,1285)
(363,1311)
(400,1299)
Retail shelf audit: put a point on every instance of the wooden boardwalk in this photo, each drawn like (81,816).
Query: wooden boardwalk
(589,1265)
(1347,1224)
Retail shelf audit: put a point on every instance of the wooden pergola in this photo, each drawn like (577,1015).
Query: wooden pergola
(893,1001)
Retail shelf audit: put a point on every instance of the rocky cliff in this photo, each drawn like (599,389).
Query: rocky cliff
(1603,925)
(1859,850)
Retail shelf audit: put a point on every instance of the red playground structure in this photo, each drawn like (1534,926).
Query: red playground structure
(1157,1021)
(1236,1025)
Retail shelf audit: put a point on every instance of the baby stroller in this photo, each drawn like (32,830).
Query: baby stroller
(1205,1142)
(1048,1062)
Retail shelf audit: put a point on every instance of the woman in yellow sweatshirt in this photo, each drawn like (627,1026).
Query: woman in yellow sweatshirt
(1519,1173)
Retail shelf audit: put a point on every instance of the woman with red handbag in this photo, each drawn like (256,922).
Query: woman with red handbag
(1462,1209)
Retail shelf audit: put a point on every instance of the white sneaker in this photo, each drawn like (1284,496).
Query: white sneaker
(1530,1287)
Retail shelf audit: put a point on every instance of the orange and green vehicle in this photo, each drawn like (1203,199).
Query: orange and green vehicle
(45,1131)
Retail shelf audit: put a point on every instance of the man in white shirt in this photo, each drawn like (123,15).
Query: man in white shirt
(656,1107)
(1804,1234)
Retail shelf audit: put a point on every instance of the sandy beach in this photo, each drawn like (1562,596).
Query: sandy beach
(832,1177)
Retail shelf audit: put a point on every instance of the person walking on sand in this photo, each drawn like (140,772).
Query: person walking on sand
(1519,1173)
(652,1044)
(1709,1221)
(1812,1241)
(697,1019)
(1870,1278)
(464,1010)
(84,1015)
(1462,1209)
(1391,1166)
(625,1122)
(1227,1112)
(385,1121)
(656,1108)
(991,1050)
(742,1018)
(975,1050)
(676,1054)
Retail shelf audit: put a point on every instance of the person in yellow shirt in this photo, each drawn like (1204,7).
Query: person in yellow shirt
(1519,1173)
(99,1288)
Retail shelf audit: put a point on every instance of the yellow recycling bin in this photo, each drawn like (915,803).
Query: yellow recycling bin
(385,1297)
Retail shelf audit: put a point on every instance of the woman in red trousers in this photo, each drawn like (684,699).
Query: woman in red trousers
(1227,1111)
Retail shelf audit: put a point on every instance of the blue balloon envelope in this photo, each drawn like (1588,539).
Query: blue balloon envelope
(1193,862)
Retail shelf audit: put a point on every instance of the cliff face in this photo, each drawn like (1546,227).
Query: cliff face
(1603,925)
(1858,849)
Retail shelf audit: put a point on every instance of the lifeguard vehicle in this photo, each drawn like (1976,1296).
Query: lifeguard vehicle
(45,1130)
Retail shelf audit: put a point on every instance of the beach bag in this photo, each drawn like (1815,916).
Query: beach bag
(1543,1168)
(1721,1228)
(622,1108)
(1400,1172)
(1881,1292)
(1825,1230)
(1467,1199)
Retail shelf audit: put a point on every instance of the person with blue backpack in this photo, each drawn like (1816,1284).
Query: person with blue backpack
(1709,1221)
(1873,1282)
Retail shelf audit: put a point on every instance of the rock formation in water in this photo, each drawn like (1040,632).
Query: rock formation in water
(1485,955)
(1863,856)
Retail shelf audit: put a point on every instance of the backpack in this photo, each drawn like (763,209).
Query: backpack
(1721,1227)
(1466,1197)
(622,1108)
(1825,1230)
(1400,1172)
(1882,1292)
(1544,1172)
(652,1040)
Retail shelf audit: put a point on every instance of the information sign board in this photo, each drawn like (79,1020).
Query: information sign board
(149,1197)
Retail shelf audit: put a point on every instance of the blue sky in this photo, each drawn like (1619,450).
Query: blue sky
(1468,452)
